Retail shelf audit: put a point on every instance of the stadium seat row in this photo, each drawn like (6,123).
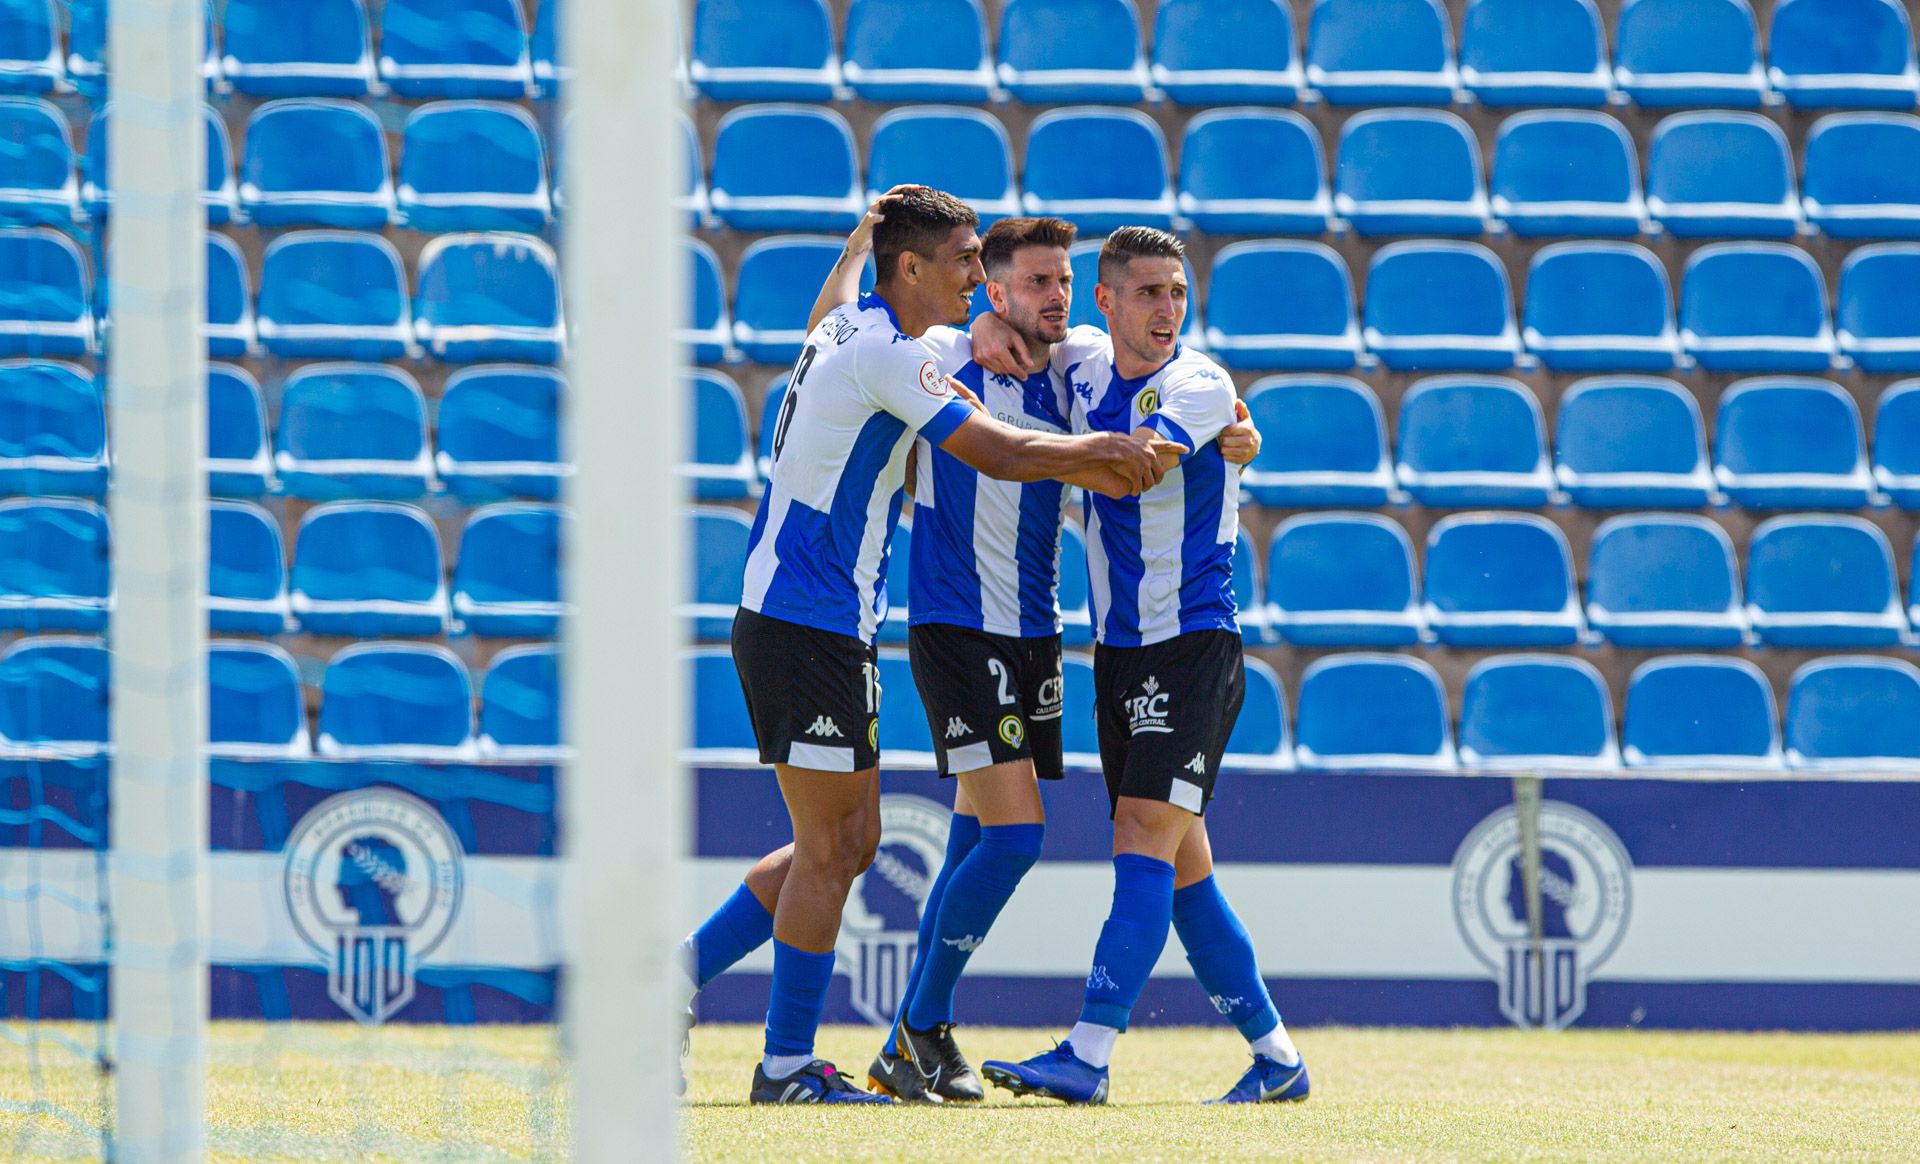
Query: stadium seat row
(1780,442)
(363,569)
(1434,305)
(311,161)
(1824,53)
(1263,171)
(379,701)
(277,48)
(1525,713)
(324,294)
(1492,579)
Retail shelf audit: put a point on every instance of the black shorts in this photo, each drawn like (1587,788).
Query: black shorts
(990,699)
(1164,714)
(813,695)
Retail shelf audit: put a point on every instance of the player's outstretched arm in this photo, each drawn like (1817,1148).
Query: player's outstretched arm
(843,282)
(998,348)
(1135,462)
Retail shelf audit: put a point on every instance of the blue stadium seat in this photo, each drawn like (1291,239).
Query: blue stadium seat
(1716,174)
(1664,580)
(1600,306)
(1896,444)
(1324,443)
(763,50)
(1280,304)
(1409,171)
(520,705)
(1623,442)
(692,197)
(506,582)
(1860,175)
(1534,52)
(230,326)
(1078,733)
(1877,308)
(54,695)
(1499,580)
(220,193)
(1372,712)
(1536,712)
(1755,307)
(53,430)
(1440,305)
(1253,171)
(1340,580)
(1076,620)
(1855,714)
(29,47)
(368,568)
(1698,712)
(918,50)
(480,165)
(246,570)
(489,297)
(37,184)
(352,430)
(962,151)
(1226,52)
(255,709)
(1824,582)
(1566,172)
(777,282)
(47,308)
(498,433)
(905,740)
(717,537)
(316,161)
(721,729)
(1786,442)
(454,48)
(549,71)
(1250,592)
(239,462)
(55,572)
(1669,53)
(294,48)
(708,332)
(785,167)
(1071,50)
(1381,52)
(333,294)
(1473,441)
(87,46)
(396,701)
(720,460)
(1099,168)
(1842,54)
(1259,739)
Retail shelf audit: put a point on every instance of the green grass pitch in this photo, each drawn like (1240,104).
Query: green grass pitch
(336,1092)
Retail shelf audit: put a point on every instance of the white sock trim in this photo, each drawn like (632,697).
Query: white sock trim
(781,1066)
(1093,1043)
(1277,1046)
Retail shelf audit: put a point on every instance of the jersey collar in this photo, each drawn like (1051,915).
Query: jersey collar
(871,300)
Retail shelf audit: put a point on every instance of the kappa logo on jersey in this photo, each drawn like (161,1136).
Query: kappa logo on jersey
(823,726)
(1148,712)
(931,381)
(1012,732)
(957,727)
(1198,765)
(1149,402)
(1082,388)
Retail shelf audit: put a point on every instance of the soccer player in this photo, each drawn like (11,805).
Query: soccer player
(1168,678)
(985,639)
(815,590)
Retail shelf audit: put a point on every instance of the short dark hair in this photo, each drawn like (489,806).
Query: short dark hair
(919,221)
(1009,236)
(1136,242)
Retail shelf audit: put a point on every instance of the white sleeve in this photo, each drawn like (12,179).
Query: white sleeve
(1195,404)
(904,378)
(1082,343)
(952,348)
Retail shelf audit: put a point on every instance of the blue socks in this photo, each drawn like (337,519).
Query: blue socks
(973,898)
(963,833)
(1131,941)
(735,930)
(1221,953)
(799,996)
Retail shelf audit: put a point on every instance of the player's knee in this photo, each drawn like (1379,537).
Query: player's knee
(1150,834)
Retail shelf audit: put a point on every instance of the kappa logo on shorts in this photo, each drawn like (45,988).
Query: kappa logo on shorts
(823,726)
(1149,712)
(1012,732)
(957,727)
(1198,765)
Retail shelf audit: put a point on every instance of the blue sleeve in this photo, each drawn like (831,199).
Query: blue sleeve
(944,422)
(1169,428)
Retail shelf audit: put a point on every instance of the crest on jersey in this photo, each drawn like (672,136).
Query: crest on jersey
(1148,402)
(931,381)
(880,927)
(1586,897)
(373,882)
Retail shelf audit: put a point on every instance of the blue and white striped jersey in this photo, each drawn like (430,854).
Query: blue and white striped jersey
(986,553)
(861,389)
(1160,564)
